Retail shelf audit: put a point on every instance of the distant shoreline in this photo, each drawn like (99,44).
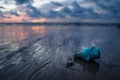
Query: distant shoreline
(64,23)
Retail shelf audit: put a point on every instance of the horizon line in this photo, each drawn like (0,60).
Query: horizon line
(60,23)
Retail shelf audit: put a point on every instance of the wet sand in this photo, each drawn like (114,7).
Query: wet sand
(42,52)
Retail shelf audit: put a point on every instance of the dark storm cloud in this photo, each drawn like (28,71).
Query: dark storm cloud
(14,13)
(1,14)
(23,1)
(33,11)
(112,7)
(1,7)
(98,9)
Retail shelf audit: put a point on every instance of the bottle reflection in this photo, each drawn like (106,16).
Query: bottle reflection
(91,67)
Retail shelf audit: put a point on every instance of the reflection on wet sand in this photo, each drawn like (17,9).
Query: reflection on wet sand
(13,33)
(38,30)
(20,33)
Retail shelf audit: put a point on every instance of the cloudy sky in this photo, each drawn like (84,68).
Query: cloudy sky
(59,10)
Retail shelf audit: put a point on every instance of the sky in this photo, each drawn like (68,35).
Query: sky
(59,10)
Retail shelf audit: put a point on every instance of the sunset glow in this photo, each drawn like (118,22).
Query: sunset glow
(21,18)
(38,20)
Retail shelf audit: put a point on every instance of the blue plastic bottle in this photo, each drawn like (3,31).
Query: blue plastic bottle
(88,54)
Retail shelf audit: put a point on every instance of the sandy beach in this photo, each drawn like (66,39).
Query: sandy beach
(41,52)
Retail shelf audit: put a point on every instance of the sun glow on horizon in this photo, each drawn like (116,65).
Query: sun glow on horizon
(21,18)
(38,20)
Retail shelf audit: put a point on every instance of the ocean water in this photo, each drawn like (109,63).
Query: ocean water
(41,52)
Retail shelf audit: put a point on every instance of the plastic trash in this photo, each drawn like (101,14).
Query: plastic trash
(88,54)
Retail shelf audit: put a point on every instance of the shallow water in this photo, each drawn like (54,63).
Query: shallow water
(41,52)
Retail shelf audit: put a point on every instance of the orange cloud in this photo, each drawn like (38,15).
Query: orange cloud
(21,18)
(38,20)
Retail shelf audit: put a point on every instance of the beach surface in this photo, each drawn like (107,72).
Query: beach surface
(41,52)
